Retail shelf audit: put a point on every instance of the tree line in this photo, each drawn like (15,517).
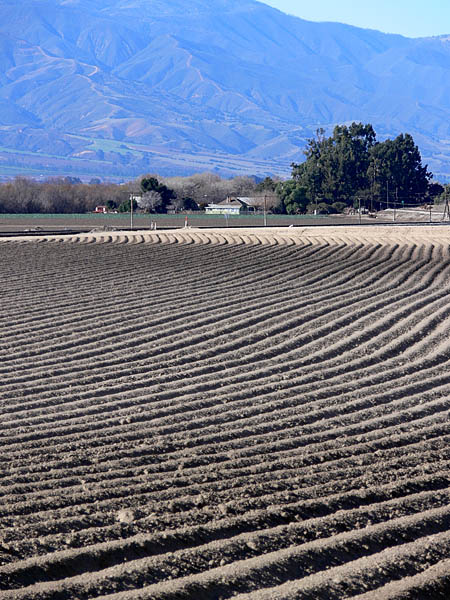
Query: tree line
(346,170)
(70,195)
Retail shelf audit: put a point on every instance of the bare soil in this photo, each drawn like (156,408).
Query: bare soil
(256,414)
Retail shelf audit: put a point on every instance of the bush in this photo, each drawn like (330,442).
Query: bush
(339,207)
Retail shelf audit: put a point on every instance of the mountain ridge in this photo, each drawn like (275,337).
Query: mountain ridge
(122,84)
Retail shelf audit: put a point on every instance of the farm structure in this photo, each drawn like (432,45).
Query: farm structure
(235,206)
(254,415)
(226,207)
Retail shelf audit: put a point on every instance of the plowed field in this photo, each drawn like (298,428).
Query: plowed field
(202,415)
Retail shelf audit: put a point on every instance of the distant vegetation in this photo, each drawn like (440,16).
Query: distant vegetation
(351,167)
(70,195)
(344,171)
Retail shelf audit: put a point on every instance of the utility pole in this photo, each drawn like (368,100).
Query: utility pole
(265,210)
(359,210)
(373,187)
(446,212)
(396,200)
(131,211)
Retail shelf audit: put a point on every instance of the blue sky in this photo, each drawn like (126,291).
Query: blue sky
(412,18)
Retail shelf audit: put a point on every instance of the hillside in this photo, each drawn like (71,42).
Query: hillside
(92,86)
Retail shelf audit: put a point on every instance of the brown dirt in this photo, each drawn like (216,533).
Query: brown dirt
(214,414)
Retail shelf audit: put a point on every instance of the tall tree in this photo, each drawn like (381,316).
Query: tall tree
(396,167)
(336,167)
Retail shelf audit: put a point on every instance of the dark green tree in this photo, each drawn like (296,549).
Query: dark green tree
(351,164)
(267,184)
(435,189)
(336,167)
(293,197)
(151,184)
(189,204)
(396,170)
(111,204)
(124,206)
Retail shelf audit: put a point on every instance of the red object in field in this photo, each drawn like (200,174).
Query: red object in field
(100,209)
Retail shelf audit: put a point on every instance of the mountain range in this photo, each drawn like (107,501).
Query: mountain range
(116,88)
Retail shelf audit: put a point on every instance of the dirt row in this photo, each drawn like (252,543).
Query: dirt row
(207,415)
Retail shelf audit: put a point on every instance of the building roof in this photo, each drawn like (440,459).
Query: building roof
(227,202)
(251,201)
(238,202)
